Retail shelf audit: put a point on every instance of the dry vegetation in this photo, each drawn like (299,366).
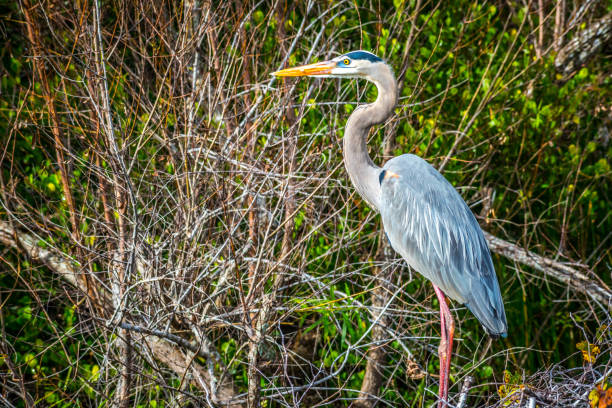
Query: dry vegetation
(183,232)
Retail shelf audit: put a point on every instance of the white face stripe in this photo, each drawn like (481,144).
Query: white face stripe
(345,71)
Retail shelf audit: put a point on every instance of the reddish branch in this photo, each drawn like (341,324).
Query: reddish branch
(38,62)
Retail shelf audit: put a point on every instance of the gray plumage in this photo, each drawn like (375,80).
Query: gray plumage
(425,218)
(432,228)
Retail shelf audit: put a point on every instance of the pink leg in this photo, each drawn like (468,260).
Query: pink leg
(450,327)
(442,352)
(446,346)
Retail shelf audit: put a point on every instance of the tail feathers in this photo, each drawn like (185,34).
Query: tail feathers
(492,318)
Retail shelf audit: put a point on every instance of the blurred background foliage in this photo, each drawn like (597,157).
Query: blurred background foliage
(481,99)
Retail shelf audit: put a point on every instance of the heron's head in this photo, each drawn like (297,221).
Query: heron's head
(355,64)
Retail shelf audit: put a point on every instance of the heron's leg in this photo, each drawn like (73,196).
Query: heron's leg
(445,349)
(450,333)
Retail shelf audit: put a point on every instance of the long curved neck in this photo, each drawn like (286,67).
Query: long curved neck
(360,167)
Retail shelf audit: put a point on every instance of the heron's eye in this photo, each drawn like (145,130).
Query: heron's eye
(346,61)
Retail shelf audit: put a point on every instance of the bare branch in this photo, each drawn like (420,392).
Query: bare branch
(574,278)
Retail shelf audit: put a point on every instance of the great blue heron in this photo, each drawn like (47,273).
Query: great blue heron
(425,218)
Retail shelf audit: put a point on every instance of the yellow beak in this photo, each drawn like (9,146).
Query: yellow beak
(320,68)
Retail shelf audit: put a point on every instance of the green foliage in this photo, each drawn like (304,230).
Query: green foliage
(472,90)
(58,365)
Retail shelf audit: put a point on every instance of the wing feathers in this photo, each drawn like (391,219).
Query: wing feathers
(433,229)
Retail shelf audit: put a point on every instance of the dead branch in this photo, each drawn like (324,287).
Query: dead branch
(465,390)
(163,350)
(218,235)
(585,44)
(376,355)
(574,278)
(182,364)
(175,359)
